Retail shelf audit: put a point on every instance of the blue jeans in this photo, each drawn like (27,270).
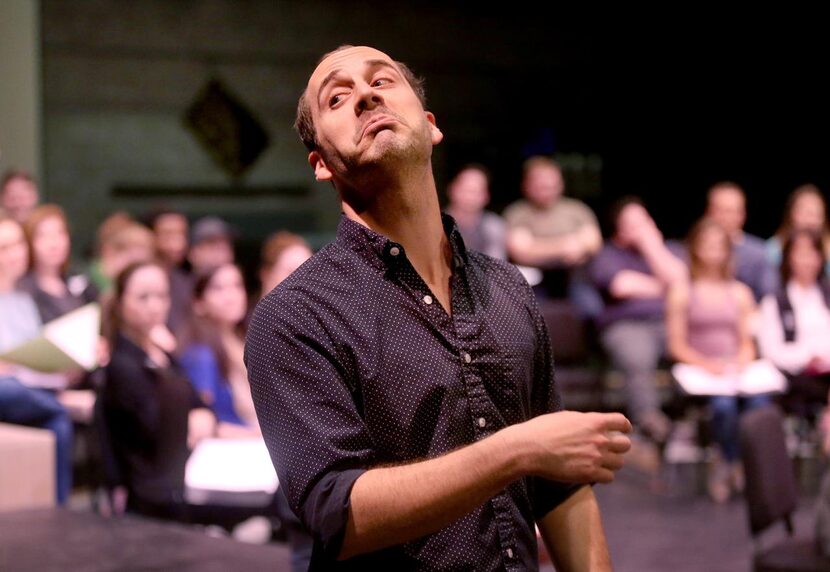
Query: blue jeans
(21,405)
(726,410)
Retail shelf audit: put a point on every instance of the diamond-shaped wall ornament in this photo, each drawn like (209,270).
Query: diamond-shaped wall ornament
(226,128)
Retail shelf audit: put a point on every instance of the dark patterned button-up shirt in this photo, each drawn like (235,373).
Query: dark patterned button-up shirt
(353,363)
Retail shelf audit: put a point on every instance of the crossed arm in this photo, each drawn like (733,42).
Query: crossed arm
(392,505)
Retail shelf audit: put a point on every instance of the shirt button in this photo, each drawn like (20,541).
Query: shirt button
(394,251)
(427,299)
(467,358)
(482,422)
(510,553)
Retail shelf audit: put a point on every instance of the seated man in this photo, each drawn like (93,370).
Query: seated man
(726,205)
(633,271)
(548,231)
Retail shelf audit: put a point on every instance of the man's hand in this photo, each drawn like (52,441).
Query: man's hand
(573,447)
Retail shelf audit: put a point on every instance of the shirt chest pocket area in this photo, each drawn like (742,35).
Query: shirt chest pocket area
(508,372)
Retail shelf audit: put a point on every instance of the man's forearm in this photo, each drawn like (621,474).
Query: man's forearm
(664,264)
(392,505)
(543,252)
(574,536)
(538,252)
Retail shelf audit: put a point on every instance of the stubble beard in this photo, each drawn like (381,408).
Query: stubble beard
(390,155)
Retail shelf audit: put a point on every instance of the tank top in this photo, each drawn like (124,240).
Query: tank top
(714,324)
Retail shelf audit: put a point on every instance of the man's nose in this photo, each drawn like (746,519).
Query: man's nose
(367,97)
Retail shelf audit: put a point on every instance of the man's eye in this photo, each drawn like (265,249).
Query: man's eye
(380,81)
(335,99)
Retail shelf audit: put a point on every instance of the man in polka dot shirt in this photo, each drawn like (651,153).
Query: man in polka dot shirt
(404,384)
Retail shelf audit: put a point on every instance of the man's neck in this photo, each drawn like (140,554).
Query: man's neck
(408,213)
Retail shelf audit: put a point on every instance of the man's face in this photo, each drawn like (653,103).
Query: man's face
(365,112)
(20,197)
(171,237)
(211,253)
(728,208)
(632,222)
(543,185)
(468,191)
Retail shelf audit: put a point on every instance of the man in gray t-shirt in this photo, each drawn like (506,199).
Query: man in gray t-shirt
(548,231)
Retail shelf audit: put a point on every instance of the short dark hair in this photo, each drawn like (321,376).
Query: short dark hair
(151,218)
(616,209)
(538,161)
(304,123)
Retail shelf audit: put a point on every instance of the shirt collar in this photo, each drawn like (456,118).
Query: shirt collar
(382,253)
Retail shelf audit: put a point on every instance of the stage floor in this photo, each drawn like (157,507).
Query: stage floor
(61,540)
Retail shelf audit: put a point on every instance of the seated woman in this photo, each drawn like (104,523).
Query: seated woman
(53,289)
(23,398)
(57,292)
(151,412)
(806,209)
(213,348)
(708,326)
(795,324)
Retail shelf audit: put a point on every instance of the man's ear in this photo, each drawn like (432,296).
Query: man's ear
(321,171)
(437,136)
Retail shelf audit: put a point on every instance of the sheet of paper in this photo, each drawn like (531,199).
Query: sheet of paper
(76,334)
(231,465)
(757,377)
(68,342)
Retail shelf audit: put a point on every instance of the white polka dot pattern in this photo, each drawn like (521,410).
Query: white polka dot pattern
(352,364)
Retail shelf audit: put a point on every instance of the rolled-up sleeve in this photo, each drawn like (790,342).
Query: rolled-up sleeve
(306,405)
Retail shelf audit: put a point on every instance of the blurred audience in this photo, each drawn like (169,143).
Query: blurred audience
(18,194)
(806,209)
(55,291)
(121,242)
(211,244)
(170,229)
(213,349)
(152,413)
(633,272)
(548,231)
(282,254)
(468,194)
(161,396)
(795,323)
(726,204)
(709,326)
(24,395)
